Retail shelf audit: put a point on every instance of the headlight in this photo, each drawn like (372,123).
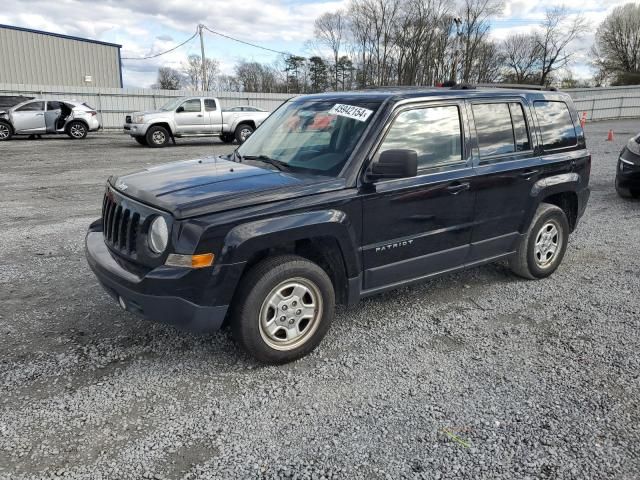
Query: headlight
(158,235)
(138,119)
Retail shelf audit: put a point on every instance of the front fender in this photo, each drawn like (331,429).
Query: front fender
(245,240)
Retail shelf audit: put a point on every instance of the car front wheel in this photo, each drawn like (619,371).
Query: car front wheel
(157,137)
(283,308)
(5,132)
(542,248)
(77,130)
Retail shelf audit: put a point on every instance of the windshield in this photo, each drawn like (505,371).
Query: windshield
(315,136)
(172,105)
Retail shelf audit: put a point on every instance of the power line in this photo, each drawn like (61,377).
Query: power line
(166,51)
(247,43)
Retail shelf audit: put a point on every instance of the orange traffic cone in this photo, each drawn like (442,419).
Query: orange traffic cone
(610,136)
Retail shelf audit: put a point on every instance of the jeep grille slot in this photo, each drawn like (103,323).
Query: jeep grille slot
(120,226)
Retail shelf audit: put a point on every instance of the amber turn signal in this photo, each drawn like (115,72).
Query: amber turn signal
(201,260)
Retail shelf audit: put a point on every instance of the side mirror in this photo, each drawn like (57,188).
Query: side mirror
(395,164)
(180,109)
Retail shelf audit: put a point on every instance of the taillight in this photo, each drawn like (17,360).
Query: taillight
(92,113)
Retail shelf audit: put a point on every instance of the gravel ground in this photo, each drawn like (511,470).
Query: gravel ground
(475,375)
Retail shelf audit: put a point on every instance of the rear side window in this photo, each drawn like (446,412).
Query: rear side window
(54,106)
(520,132)
(433,132)
(556,126)
(209,105)
(494,129)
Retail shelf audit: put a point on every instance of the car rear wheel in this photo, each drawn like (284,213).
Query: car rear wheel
(141,140)
(283,309)
(5,132)
(157,137)
(542,248)
(243,132)
(77,130)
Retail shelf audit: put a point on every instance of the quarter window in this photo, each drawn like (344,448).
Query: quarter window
(556,126)
(519,128)
(32,107)
(192,105)
(209,105)
(433,132)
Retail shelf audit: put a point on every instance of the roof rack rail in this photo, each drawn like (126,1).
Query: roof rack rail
(463,86)
(517,86)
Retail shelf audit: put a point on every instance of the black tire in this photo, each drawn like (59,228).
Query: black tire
(77,130)
(250,305)
(626,192)
(157,137)
(529,262)
(141,140)
(242,132)
(227,138)
(6,132)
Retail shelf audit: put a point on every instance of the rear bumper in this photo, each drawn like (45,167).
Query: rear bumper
(140,293)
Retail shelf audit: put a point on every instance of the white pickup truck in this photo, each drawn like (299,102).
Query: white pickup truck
(190,117)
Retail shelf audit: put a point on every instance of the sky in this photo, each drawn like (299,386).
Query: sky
(145,27)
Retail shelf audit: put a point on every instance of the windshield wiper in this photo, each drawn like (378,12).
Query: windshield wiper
(280,165)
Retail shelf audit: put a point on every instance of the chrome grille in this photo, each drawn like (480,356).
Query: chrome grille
(120,226)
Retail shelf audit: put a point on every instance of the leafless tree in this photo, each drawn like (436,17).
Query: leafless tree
(169,79)
(617,45)
(475,16)
(555,39)
(521,54)
(193,71)
(330,31)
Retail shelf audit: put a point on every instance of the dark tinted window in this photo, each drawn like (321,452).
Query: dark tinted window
(32,107)
(433,132)
(556,126)
(494,129)
(192,105)
(54,105)
(519,127)
(209,105)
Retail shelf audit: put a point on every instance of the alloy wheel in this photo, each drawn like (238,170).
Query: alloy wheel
(290,314)
(548,244)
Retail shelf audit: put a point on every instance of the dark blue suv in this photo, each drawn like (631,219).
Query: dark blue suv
(340,196)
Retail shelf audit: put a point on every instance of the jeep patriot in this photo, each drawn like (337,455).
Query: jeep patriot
(339,196)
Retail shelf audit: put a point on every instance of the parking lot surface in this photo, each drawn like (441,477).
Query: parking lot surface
(475,375)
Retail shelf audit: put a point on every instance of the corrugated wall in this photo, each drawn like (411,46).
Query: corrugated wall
(114,103)
(28,57)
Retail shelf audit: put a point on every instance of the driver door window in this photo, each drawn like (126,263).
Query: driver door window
(191,106)
(433,132)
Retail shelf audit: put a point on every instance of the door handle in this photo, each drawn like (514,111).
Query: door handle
(527,174)
(457,187)
(39,114)
(199,114)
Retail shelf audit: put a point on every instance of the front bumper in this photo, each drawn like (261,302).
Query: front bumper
(136,129)
(628,171)
(140,293)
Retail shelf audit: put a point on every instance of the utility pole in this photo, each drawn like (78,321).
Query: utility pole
(454,66)
(204,62)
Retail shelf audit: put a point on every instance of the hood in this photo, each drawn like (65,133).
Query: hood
(151,113)
(197,187)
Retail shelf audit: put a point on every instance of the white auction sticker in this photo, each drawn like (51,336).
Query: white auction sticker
(351,111)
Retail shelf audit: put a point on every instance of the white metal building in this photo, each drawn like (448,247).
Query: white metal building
(35,57)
